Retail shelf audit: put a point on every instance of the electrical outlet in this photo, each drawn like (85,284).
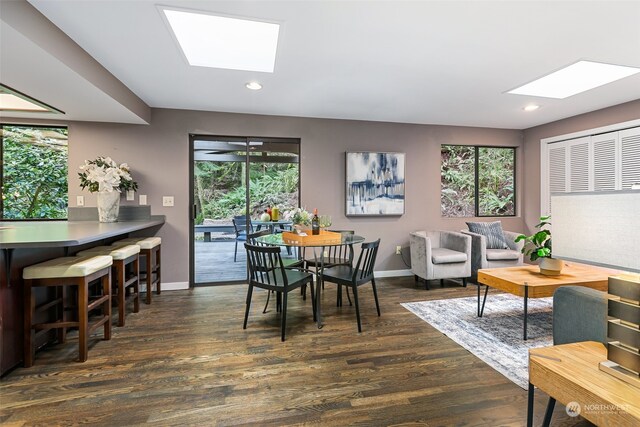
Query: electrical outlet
(131,195)
(80,200)
(167,200)
(142,199)
(398,250)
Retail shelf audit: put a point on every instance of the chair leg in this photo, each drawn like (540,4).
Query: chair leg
(159,270)
(62,294)
(119,267)
(313,301)
(464,282)
(83,319)
(339,297)
(29,334)
(235,253)
(246,312)
(375,295)
(136,285)
(348,297)
(106,306)
(284,313)
(355,299)
(148,258)
(442,283)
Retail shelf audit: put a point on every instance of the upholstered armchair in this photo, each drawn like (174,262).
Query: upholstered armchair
(440,255)
(482,257)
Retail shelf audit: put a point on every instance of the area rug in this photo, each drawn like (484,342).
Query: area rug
(495,338)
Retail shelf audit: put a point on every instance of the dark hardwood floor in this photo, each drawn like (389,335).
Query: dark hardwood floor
(185,360)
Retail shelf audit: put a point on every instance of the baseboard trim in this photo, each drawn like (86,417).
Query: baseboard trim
(393,273)
(174,286)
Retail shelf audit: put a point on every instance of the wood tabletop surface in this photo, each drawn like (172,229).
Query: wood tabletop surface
(570,373)
(513,279)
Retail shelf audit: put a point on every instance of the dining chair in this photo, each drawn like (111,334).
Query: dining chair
(266,271)
(241,227)
(333,256)
(353,277)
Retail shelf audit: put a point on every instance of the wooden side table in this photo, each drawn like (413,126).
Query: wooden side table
(569,373)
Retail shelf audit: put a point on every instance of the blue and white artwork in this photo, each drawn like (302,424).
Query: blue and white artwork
(375,184)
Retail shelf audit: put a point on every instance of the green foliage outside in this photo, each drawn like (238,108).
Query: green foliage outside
(34,162)
(220,188)
(495,181)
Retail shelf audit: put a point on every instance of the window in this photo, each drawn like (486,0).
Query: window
(33,176)
(477,181)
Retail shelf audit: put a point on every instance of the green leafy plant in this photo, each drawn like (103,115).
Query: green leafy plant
(538,245)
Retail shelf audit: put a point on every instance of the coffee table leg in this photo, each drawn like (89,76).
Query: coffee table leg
(530,406)
(526,299)
(481,309)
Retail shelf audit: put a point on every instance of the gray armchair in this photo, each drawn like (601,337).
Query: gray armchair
(440,255)
(481,257)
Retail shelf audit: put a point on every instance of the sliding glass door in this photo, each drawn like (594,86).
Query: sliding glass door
(234,181)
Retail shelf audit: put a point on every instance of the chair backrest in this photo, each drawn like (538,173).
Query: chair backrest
(340,253)
(265,265)
(241,225)
(366,260)
(251,237)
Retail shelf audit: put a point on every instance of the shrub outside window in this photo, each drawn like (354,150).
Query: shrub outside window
(477,181)
(34,172)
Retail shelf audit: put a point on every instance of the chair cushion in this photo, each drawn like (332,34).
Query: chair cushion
(492,231)
(502,254)
(67,267)
(447,256)
(143,242)
(116,252)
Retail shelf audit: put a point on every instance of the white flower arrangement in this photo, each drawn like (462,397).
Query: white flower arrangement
(104,175)
(298,216)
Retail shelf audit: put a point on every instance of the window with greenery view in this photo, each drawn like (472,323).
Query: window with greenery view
(34,172)
(477,181)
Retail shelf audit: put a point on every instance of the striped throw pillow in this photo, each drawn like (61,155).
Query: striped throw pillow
(492,231)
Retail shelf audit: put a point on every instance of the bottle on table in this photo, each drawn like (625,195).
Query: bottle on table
(275,213)
(315,223)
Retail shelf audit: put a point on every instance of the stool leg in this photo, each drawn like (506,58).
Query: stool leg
(61,292)
(106,306)
(136,284)
(148,258)
(119,268)
(83,318)
(28,329)
(159,266)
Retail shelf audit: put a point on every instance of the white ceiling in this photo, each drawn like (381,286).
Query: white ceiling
(447,62)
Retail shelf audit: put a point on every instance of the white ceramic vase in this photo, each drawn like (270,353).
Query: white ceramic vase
(108,206)
(551,266)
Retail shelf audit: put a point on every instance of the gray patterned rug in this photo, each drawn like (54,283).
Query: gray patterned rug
(495,338)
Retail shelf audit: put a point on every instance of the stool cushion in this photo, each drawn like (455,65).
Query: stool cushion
(67,267)
(143,242)
(118,253)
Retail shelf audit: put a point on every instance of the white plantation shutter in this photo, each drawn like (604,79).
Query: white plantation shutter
(557,170)
(604,161)
(579,165)
(630,159)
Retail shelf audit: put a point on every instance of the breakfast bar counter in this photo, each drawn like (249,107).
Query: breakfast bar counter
(26,243)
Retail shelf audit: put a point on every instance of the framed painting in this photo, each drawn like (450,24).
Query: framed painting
(375,184)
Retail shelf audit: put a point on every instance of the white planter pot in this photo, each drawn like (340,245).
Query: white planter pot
(551,266)
(108,206)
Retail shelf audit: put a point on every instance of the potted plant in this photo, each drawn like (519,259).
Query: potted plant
(538,246)
(108,179)
(298,217)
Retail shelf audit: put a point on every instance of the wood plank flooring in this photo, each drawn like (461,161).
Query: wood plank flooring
(185,360)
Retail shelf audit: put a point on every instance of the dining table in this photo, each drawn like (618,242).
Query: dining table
(318,248)
(271,225)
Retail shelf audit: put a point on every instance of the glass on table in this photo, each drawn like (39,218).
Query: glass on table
(325,221)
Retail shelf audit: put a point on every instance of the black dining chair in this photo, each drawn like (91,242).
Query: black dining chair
(266,271)
(242,227)
(353,277)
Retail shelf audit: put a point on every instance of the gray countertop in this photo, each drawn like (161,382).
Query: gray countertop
(47,234)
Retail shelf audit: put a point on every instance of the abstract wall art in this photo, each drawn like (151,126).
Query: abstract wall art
(375,184)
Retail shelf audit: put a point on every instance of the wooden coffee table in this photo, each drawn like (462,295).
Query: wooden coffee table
(527,282)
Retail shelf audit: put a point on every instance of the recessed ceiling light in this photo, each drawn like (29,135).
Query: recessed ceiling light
(531,107)
(221,42)
(578,77)
(13,100)
(253,86)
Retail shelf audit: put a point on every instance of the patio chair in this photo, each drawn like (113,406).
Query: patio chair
(241,227)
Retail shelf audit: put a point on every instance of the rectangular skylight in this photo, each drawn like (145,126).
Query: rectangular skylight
(221,42)
(13,100)
(578,77)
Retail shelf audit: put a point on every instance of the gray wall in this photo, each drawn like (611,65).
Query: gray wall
(158,155)
(532,136)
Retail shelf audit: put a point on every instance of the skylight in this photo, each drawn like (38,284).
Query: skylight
(13,100)
(578,77)
(221,42)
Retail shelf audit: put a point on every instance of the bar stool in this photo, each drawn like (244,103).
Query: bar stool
(123,256)
(61,272)
(150,248)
